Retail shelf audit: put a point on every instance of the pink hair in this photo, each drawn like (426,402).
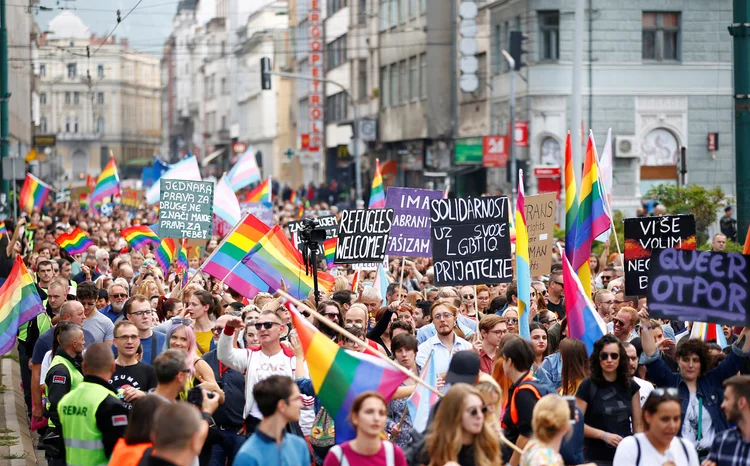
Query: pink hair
(192,356)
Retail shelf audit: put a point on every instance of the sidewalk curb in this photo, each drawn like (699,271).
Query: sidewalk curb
(14,409)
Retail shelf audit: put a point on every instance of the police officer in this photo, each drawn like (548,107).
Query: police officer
(92,418)
(64,375)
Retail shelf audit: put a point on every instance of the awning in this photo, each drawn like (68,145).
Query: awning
(210,158)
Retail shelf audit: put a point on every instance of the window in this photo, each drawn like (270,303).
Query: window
(336,52)
(413,78)
(68,98)
(43,98)
(423,77)
(362,13)
(224,86)
(661,36)
(362,79)
(334,5)
(100,125)
(403,10)
(383,15)
(223,46)
(497,56)
(72,70)
(384,87)
(394,13)
(549,35)
(422,6)
(75,124)
(100,98)
(42,70)
(100,71)
(481,75)
(224,122)
(336,107)
(76,98)
(412,8)
(43,125)
(395,96)
(67,125)
(403,71)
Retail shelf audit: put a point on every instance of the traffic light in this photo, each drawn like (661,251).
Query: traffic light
(516,50)
(265,77)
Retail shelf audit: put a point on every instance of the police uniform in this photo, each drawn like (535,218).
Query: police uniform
(92,420)
(64,375)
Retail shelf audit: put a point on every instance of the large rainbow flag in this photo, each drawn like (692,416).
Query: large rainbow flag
(523,269)
(584,322)
(245,172)
(339,375)
(571,200)
(165,254)
(592,216)
(377,192)
(108,184)
(274,258)
(225,263)
(261,193)
(140,236)
(75,242)
(33,194)
(19,303)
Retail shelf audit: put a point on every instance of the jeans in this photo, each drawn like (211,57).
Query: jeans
(223,453)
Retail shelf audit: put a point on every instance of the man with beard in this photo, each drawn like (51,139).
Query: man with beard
(645,387)
(732,447)
(132,378)
(555,295)
(332,311)
(446,342)
(118,294)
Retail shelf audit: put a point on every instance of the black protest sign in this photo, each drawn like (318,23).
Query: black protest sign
(363,236)
(186,209)
(327,223)
(643,236)
(471,241)
(699,286)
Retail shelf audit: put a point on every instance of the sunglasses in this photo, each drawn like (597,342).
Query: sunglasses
(265,325)
(618,322)
(118,295)
(178,321)
(664,392)
(217,329)
(512,321)
(354,324)
(612,356)
(468,296)
(332,315)
(475,411)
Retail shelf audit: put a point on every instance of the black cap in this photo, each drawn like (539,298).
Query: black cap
(464,368)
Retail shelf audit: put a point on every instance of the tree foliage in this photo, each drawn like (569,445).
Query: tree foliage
(693,199)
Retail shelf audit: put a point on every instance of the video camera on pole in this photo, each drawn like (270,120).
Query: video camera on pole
(311,235)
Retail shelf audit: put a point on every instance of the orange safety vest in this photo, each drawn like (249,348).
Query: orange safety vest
(527,383)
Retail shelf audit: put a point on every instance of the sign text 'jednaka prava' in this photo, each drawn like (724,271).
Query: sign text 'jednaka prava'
(186,209)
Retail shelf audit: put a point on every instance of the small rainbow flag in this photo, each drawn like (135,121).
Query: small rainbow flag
(19,303)
(182,260)
(523,271)
(338,375)
(709,332)
(165,254)
(293,197)
(108,184)
(355,280)
(83,201)
(75,242)
(33,194)
(377,192)
(571,201)
(329,246)
(261,193)
(584,321)
(300,212)
(3,230)
(140,236)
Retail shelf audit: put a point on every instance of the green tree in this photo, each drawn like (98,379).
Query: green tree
(693,199)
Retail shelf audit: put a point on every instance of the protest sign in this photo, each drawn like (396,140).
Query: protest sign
(643,235)
(132,199)
(540,222)
(410,234)
(327,223)
(699,286)
(186,209)
(261,210)
(471,241)
(363,235)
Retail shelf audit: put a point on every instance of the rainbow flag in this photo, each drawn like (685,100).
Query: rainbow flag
(423,399)
(245,172)
(225,263)
(293,197)
(592,216)
(182,260)
(83,201)
(571,201)
(275,258)
(377,192)
(140,236)
(338,375)
(300,212)
(75,242)
(19,303)
(523,270)
(709,332)
(584,322)
(165,254)
(355,280)
(33,194)
(3,230)
(108,184)
(329,246)
(261,193)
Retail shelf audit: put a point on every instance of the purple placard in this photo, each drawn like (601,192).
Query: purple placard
(410,233)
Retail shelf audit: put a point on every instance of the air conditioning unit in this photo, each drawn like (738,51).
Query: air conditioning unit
(627,147)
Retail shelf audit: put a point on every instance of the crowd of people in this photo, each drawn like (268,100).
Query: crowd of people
(127,366)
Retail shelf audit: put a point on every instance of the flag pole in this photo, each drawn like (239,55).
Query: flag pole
(424,371)
(476,313)
(327,322)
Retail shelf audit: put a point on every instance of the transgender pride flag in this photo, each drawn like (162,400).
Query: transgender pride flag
(423,399)
(584,322)
(185,169)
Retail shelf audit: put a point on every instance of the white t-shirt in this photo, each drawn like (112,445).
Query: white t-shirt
(690,425)
(627,453)
(261,367)
(645,389)
(307,414)
(46,362)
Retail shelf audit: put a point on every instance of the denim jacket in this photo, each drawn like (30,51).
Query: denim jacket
(552,364)
(709,387)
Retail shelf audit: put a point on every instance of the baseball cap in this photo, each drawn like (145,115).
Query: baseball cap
(464,368)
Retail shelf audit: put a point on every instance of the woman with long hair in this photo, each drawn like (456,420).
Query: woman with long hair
(539,341)
(575,365)
(659,444)
(181,336)
(368,416)
(459,433)
(492,396)
(550,422)
(511,319)
(202,306)
(129,449)
(608,400)
(165,308)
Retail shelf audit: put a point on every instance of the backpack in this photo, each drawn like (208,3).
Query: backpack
(390,456)
(638,446)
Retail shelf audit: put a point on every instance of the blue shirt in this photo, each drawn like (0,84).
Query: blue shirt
(112,315)
(155,342)
(552,365)
(428,331)
(440,352)
(730,449)
(230,413)
(44,344)
(260,449)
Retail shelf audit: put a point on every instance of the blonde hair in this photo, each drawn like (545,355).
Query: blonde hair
(341,283)
(550,418)
(490,389)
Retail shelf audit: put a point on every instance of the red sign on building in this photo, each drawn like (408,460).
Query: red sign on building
(495,151)
(304,141)
(713,142)
(316,89)
(522,134)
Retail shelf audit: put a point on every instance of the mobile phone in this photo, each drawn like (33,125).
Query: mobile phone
(571,400)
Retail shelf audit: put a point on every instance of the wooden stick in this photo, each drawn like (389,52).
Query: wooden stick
(476,313)
(324,320)
(403,262)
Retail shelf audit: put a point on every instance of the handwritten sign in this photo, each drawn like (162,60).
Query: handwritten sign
(363,235)
(410,235)
(699,286)
(132,199)
(643,235)
(540,221)
(328,223)
(186,209)
(471,241)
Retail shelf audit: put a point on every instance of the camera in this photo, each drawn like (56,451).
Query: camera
(195,396)
(311,232)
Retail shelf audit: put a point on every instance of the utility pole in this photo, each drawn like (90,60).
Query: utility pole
(512,130)
(4,97)
(576,93)
(740,31)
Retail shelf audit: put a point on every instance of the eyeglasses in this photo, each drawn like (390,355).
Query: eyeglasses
(265,325)
(612,356)
(217,329)
(140,313)
(619,322)
(332,315)
(127,337)
(475,411)
(664,392)
(468,297)
(119,295)
(512,321)
(499,332)
(178,321)
(559,283)
(606,277)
